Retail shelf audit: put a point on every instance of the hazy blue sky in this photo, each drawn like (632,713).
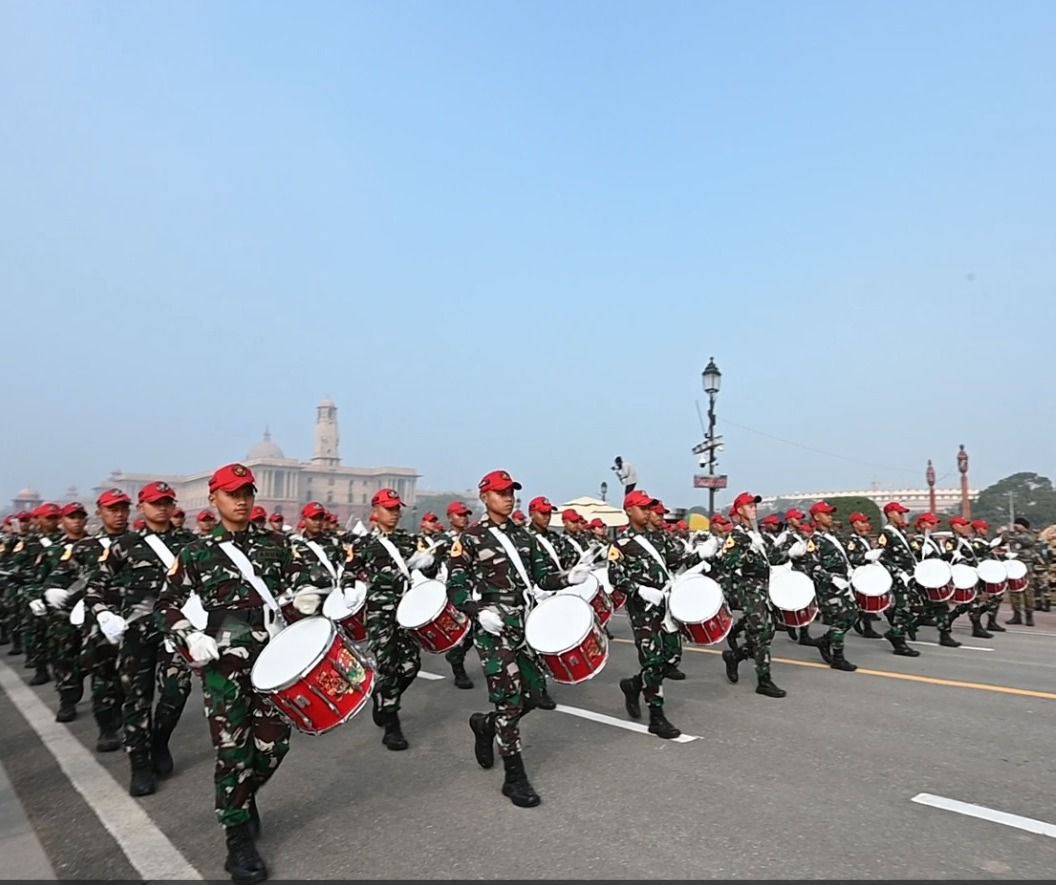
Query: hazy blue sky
(512,234)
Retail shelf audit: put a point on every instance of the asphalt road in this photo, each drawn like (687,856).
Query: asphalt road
(817,785)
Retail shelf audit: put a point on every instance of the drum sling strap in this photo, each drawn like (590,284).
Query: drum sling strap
(245,567)
(518,563)
(549,548)
(669,624)
(396,556)
(320,554)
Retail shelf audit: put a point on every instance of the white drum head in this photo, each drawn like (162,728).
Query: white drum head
(77,614)
(585,591)
(932,574)
(790,591)
(421,604)
(193,612)
(1015,569)
(292,653)
(602,576)
(964,576)
(991,571)
(558,624)
(695,599)
(871,580)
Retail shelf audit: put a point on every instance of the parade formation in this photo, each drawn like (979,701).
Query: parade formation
(304,627)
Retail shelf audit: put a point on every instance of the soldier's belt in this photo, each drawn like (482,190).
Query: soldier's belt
(502,598)
(252,617)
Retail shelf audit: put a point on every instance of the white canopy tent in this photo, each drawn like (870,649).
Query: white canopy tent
(591,508)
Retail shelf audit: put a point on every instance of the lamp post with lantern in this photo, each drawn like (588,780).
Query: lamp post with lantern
(711,378)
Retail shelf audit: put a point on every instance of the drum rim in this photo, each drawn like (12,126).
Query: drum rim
(591,623)
(293,680)
(432,617)
(935,565)
(798,580)
(962,566)
(719,595)
(1021,565)
(871,568)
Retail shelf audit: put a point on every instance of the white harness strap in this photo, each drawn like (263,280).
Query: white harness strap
(648,547)
(515,556)
(549,548)
(242,563)
(324,559)
(166,556)
(397,557)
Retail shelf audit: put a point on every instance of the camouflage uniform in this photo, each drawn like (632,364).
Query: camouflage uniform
(480,575)
(29,563)
(925,547)
(746,561)
(64,639)
(677,552)
(827,559)
(319,575)
(127,581)
(249,735)
(1025,544)
(955,549)
(457,656)
(989,604)
(898,558)
(396,652)
(8,542)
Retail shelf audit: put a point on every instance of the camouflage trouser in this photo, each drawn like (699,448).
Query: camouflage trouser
(758,626)
(64,644)
(142,663)
(513,674)
(653,650)
(974,609)
(1022,601)
(101,658)
(457,655)
(840,612)
(396,653)
(991,604)
(900,613)
(940,611)
(250,736)
(34,629)
(672,648)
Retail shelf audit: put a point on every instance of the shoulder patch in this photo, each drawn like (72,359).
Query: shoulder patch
(175,567)
(456,549)
(730,543)
(811,546)
(104,555)
(67,553)
(882,540)
(20,546)
(614,554)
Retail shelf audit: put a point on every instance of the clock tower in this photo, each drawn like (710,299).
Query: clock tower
(327,439)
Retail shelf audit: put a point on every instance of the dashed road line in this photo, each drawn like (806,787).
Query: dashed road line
(432,677)
(626,725)
(983,813)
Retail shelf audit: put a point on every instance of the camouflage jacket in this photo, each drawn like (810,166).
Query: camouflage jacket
(925,547)
(76,564)
(827,559)
(203,567)
(375,566)
(857,546)
(897,556)
(632,566)
(318,574)
(562,550)
(53,572)
(30,566)
(571,548)
(479,566)
(955,544)
(129,575)
(747,559)
(1025,544)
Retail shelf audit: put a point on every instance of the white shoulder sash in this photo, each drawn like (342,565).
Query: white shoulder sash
(515,556)
(244,566)
(166,556)
(397,557)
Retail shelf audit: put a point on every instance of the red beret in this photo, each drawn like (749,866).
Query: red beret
(231,478)
(156,491)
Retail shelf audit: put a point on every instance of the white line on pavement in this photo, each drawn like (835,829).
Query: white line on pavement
(619,723)
(1029,632)
(962,648)
(430,676)
(147,848)
(984,813)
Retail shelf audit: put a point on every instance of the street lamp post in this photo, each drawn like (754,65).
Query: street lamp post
(711,377)
(604,490)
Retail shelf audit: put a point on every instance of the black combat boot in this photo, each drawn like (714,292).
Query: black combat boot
(659,725)
(516,788)
(108,722)
(483,727)
(900,647)
(731,658)
(631,689)
(254,818)
(806,639)
(16,644)
(824,646)
(67,706)
(243,862)
(977,630)
(867,631)
(1015,619)
(5,634)
(394,738)
(839,662)
(672,672)
(948,641)
(792,633)
(1028,622)
(376,714)
(142,783)
(42,676)
(993,626)
(544,701)
(164,722)
(766,687)
(462,679)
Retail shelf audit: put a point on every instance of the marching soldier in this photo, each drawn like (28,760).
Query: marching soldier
(322,555)
(896,555)
(924,546)
(495,570)
(384,561)
(259,517)
(981,546)
(674,551)
(458,515)
(276,522)
(829,568)
(1024,544)
(30,566)
(238,573)
(127,582)
(857,546)
(958,548)
(206,522)
(8,540)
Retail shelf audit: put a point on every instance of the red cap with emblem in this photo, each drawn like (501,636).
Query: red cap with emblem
(719,519)
(541,504)
(659,508)
(178,513)
(113,498)
(771,519)
(929,518)
(571,515)
(895,507)
(743,499)
(821,507)
(793,513)
(458,508)
(258,514)
(276,518)
(386,498)
(313,510)
(48,510)
(960,520)
(430,517)
(597,523)
(498,481)
(206,516)
(681,525)
(138,525)
(638,498)
(231,478)
(156,491)
(74,507)
(981,525)
(858,517)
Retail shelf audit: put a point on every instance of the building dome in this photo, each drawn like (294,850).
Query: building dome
(28,494)
(266,449)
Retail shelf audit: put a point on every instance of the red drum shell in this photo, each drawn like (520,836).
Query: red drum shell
(564,632)
(873,604)
(428,615)
(800,618)
(940,594)
(963,596)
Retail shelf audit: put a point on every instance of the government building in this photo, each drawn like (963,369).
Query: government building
(285,485)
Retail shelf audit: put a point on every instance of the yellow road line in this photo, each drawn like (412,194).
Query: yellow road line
(888,674)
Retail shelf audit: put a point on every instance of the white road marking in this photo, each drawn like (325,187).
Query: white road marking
(431,676)
(147,848)
(962,648)
(619,723)
(990,814)
(1029,632)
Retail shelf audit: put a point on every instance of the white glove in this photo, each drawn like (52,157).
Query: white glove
(38,608)
(707,549)
(797,550)
(1012,554)
(840,582)
(651,595)
(705,566)
(56,596)
(307,601)
(578,574)
(111,625)
(904,578)
(202,649)
(873,555)
(355,596)
(539,594)
(781,538)
(490,621)
(421,560)
(996,542)
(757,542)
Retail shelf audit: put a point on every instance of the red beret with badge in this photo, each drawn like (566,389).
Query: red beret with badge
(231,478)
